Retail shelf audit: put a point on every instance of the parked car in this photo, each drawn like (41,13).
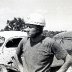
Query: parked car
(9,41)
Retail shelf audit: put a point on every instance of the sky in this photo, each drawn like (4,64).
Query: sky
(58,13)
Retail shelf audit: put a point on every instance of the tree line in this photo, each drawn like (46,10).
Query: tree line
(18,24)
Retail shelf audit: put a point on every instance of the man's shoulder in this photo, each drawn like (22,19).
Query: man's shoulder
(48,39)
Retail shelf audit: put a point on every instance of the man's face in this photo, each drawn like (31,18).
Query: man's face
(31,30)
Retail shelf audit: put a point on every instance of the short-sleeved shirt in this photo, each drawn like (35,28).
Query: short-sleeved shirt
(39,57)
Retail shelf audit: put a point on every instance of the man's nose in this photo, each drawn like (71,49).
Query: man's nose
(27,29)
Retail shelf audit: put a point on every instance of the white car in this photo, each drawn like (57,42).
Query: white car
(9,41)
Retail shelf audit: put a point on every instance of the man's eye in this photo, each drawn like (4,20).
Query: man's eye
(30,26)
(26,26)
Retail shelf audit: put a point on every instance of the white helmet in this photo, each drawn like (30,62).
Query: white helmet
(35,19)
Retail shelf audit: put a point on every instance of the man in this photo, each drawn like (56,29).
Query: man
(38,51)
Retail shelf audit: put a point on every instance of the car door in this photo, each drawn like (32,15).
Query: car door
(9,49)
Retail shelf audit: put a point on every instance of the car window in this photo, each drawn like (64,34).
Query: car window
(13,42)
(2,39)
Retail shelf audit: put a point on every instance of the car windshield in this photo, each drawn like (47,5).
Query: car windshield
(2,39)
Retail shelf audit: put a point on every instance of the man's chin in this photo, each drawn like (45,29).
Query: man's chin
(31,35)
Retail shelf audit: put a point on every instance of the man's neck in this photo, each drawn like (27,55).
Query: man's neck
(37,38)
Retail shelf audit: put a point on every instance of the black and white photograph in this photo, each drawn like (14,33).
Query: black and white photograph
(35,35)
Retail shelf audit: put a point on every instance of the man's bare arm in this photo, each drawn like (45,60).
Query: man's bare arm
(67,64)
